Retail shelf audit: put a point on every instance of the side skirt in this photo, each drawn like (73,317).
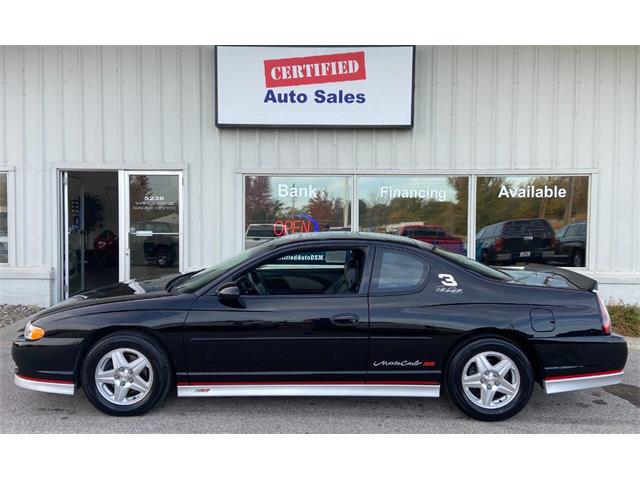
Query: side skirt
(309,390)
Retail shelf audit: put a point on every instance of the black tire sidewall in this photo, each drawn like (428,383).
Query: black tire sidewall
(453,375)
(145,345)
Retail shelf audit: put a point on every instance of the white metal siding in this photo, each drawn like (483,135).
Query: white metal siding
(477,110)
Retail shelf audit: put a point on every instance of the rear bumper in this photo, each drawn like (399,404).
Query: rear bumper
(576,363)
(49,386)
(580,382)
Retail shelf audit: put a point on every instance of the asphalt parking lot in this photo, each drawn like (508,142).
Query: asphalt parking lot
(605,410)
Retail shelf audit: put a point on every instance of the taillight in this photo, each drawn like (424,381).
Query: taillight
(499,244)
(604,315)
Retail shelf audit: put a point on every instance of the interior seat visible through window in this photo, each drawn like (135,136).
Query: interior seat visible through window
(310,272)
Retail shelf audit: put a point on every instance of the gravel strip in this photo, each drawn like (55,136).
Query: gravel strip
(12,313)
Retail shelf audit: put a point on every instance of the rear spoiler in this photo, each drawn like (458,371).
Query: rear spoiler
(580,281)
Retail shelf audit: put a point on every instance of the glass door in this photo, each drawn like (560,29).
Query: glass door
(74,240)
(153,224)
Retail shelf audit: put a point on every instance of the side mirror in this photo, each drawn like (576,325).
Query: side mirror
(229,294)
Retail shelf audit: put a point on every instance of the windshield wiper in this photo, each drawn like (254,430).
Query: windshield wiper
(175,281)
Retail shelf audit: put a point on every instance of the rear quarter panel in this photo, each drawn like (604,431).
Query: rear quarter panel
(429,325)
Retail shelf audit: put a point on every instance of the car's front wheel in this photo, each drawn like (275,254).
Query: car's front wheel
(489,379)
(126,374)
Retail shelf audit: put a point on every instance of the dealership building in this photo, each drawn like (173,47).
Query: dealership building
(130,162)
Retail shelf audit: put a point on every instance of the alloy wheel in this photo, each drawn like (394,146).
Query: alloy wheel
(124,376)
(490,380)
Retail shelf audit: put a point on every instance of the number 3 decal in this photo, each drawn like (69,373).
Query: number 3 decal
(447,280)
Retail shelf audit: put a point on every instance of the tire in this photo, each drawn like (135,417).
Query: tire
(576,259)
(139,351)
(164,258)
(473,400)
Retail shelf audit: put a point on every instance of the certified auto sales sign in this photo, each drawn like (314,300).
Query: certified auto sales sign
(314,86)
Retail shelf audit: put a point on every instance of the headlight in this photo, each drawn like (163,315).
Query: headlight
(31,332)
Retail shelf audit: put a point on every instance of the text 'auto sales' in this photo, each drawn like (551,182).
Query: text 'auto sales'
(340,67)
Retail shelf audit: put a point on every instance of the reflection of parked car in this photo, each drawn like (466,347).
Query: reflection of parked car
(433,234)
(258,233)
(529,240)
(160,249)
(105,249)
(572,241)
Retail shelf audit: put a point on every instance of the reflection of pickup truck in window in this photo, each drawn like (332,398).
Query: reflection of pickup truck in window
(258,233)
(572,242)
(157,241)
(433,234)
(529,240)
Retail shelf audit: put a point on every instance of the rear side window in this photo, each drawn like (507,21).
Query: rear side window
(397,272)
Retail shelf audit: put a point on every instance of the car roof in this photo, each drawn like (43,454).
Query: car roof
(366,236)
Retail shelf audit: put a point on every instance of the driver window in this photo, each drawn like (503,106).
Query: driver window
(308,272)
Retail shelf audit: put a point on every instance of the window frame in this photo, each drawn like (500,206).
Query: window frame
(377,266)
(592,196)
(591,209)
(11,251)
(365,281)
(362,290)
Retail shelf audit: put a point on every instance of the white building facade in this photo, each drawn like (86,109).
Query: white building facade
(112,166)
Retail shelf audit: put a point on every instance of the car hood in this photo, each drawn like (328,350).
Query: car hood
(112,293)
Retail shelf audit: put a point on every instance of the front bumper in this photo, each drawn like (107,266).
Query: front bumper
(49,360)
(49,386)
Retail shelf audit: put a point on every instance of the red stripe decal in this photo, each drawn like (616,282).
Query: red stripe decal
(45,380)
(337,382)
(582,375)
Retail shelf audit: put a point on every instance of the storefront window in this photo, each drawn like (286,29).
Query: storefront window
(430,209)
(277,206)
(4,229)
(532,219)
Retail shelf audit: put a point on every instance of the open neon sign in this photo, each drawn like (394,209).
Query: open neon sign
(302,223)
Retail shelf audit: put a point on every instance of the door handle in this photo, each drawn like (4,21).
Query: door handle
(345,319)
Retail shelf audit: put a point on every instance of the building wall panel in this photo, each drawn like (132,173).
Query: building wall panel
(477,110)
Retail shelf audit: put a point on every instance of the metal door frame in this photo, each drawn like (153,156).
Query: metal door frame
(65,235)
(125,218)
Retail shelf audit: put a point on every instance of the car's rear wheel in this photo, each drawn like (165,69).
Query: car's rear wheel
(126,374)
(489,379)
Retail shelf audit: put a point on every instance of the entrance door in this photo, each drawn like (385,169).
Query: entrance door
(90,213)
(153,224)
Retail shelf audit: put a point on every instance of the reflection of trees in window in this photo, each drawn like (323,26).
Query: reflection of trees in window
(491,208)
(138,188)
(260,206)
(326,211)
(377,214)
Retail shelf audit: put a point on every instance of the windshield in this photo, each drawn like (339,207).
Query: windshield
(207,275)
(472,265)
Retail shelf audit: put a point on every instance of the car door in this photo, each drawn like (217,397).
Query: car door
(404,345)
(307,334)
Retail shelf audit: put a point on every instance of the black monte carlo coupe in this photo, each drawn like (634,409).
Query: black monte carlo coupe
(327,314)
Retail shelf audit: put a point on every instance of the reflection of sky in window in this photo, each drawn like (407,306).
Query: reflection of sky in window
(336,187)
(519,181)
(369,187)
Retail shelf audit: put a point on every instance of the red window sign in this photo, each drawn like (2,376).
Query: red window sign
(338,67)
(285,227)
